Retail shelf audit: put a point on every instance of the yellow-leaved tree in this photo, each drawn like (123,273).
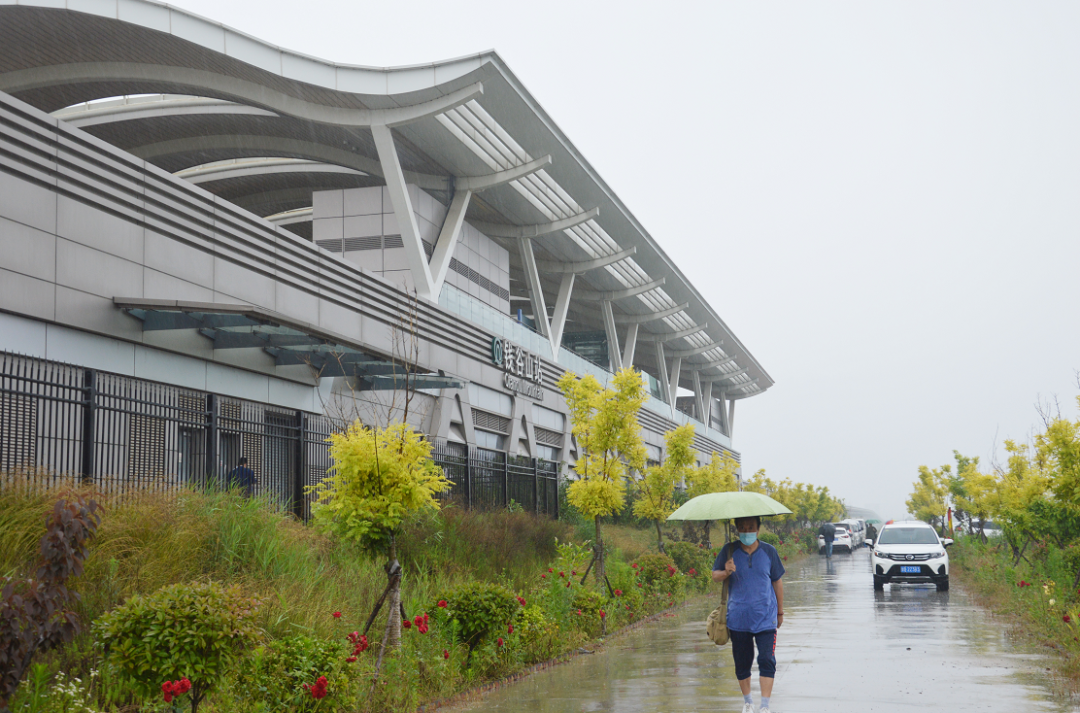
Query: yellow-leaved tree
(378,478)
(716,476)
(605,426)
(930,494)
(657,489)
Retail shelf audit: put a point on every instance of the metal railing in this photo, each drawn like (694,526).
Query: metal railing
(146,436)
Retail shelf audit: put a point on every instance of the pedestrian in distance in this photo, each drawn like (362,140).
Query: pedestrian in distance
(242,478)
(755,606)
(871,533)
(828,532)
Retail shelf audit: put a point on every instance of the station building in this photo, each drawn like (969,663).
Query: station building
(213,247)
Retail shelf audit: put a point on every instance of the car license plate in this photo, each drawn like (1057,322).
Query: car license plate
(910,569)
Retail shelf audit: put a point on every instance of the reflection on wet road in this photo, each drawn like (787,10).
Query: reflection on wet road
(843,647)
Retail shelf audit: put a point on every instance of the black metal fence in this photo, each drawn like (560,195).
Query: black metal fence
(147,436)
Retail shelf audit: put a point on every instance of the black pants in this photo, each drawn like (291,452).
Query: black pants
(742,650)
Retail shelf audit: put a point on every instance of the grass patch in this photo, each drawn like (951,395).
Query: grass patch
(1036,596)
(149,541)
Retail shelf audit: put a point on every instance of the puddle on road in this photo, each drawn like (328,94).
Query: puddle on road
(843,647)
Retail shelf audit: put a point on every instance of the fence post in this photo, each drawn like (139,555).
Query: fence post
(210,477)
(558,475)
(89,430)
(536,486)
(301,465)
(468,476)
(506,480)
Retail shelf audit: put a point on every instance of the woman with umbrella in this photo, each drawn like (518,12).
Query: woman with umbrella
(754,573)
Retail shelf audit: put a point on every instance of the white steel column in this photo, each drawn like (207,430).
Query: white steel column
(536,292)
(731,420)
(614,357)
(558,319)
(699,398)
(631,345)
(673,380)
(448,236)
(706,400)
(661,368)
(725,420)
(399,197)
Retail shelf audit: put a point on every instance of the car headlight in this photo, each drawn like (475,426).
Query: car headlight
(881,555)
(937,555)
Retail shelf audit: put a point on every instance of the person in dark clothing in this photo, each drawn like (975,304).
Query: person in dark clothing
(242,478)
(871,533)
(828,533)
(755,606)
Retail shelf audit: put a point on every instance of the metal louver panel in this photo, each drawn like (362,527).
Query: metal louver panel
(490,422)
(18,420)
(146,443)
(549,438)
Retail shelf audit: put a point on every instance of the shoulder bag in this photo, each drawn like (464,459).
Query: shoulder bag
(716,624)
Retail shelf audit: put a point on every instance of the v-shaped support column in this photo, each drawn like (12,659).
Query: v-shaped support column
(448,237)
(536,291)
(403,210)
(612,336)
(558,319)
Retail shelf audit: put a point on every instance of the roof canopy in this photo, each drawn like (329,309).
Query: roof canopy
(263,127)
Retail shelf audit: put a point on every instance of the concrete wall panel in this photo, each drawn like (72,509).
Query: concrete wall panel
(22,336)
(89,350)
(96,272)
(27,203)
(157,365)
(27,250)
(171,256)
(233,382)
(97,229)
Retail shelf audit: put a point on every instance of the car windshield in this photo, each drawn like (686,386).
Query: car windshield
(907,536)
(841,531)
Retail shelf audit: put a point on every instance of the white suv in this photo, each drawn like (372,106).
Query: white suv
(910,553)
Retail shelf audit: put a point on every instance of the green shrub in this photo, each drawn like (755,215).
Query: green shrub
(769,538)
(655,568)
(277,672)
(539,634)
(197,631)
(480,609)
(696,562)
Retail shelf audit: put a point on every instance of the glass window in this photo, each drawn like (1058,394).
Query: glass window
(547,452)
(548,418)
(907,536)
(490,400)
(486,439)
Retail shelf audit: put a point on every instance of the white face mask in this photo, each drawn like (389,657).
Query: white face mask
(748,538)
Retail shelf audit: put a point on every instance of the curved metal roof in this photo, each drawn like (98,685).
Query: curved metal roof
(223,96)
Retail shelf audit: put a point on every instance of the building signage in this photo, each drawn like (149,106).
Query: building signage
(522,373)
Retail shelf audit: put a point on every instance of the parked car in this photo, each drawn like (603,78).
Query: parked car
(857,528)
(910,553)
(843,539)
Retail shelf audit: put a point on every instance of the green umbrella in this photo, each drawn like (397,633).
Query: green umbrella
(727,506)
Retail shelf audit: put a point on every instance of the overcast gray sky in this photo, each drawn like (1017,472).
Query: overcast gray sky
(880,199)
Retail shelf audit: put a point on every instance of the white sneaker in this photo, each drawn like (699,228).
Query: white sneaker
(747,708)
(764,709)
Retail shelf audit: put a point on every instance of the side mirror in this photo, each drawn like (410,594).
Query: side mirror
(947,541)
(869,543)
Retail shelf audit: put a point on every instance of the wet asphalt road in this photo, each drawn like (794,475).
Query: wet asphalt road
(842,647)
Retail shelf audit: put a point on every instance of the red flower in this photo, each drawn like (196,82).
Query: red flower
(418,620)
(499,641)
(543,576)
(1066,618)
(509,628)
(618,592)
(407,624)
(318,689)
(634,565)
(602,614)
(627,607)
(337,615)
(185,685)
(573,573)
(785,558)
(550,569)
(168,698)
(521,601)
(562,574)
(351,659)
(567,585)
(167,687)
(693,571)
(442,604)
(579,612)
(445,654)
